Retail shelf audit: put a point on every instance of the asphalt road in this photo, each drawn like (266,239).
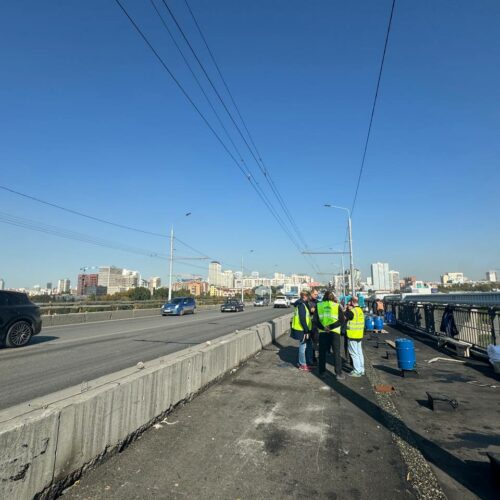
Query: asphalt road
(64,356)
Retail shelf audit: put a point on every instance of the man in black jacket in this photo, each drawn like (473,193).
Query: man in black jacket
(312,304)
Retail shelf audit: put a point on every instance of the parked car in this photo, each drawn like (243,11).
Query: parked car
(20,319)
(281,301)
(260,302)
(232,305)
(179,306)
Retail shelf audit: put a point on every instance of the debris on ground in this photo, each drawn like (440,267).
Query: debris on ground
(384,388)
(445,359)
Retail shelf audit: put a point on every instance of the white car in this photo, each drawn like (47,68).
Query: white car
(281,301)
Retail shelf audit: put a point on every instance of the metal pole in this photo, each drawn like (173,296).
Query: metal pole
(171,266)
(351,257)
(242,278)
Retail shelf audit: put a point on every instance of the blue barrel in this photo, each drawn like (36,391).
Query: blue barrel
(405,351)
(389,318)
(379,323)
(369,324)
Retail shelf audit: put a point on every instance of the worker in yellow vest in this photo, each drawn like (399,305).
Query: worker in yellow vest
(329,317)
(355,331)
(301,331)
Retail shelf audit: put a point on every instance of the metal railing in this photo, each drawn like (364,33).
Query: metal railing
(476,325)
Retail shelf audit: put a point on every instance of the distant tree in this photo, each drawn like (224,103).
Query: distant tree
(139,293)
(161,293)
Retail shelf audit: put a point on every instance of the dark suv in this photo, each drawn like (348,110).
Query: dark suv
(19,319)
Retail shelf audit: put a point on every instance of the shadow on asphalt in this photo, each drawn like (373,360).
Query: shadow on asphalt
(472,474)
(40,339)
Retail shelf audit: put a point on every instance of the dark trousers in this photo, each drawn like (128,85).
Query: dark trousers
(327,340)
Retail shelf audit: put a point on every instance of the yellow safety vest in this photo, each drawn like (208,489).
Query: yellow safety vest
(328,313)
(296,324)
(356,326)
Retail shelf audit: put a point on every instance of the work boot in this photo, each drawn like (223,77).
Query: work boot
(340,376)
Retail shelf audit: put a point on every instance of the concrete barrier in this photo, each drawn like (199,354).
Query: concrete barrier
(47,443)
(89,317)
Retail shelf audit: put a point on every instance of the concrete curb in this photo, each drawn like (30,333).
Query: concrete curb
(47,444)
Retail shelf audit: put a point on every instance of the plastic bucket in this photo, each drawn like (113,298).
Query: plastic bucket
(405,351)
(379,323)
(369,323)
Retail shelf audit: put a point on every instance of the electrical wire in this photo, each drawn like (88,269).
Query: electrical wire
(373,107)
(265,172)
(73,235)
(81,214)
(207,123)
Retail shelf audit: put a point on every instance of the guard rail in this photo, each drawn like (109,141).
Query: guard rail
(476,325)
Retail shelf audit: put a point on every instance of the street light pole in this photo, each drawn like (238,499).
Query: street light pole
(171,264)
(353,281)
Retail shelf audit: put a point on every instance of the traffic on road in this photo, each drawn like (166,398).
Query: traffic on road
(64,356)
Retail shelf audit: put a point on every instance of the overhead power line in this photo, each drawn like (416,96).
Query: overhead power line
(73,235)
(208,124)
(265,170)
(374,105)
(248,171)
(255,154)
(81,214)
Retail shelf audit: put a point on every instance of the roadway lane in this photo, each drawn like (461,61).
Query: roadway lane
(64,356)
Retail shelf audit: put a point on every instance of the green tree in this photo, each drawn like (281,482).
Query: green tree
(161,293)
(139,293)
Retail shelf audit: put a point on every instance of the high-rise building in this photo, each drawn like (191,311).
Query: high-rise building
(227,279)
(2,284)
(255,274)
(380,276)
(491,276)
(84,282)
(394,281)
(214,273)
(63,286)
(452,279)
(116,279)
(154,283)
(49,286)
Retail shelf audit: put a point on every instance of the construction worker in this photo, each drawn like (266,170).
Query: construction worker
(379,307)
(329,318)
(301,331)
(355,330)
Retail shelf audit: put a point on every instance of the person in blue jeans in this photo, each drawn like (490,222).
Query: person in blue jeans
(301,330)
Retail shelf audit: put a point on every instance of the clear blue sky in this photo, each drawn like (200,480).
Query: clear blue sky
(91,121)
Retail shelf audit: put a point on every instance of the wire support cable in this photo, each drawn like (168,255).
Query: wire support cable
(374,105)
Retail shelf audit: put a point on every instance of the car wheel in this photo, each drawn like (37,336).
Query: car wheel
(19,334)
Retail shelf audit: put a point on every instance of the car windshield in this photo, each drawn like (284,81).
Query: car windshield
(176,301)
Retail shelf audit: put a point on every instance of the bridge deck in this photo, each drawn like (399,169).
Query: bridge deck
(270,431)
